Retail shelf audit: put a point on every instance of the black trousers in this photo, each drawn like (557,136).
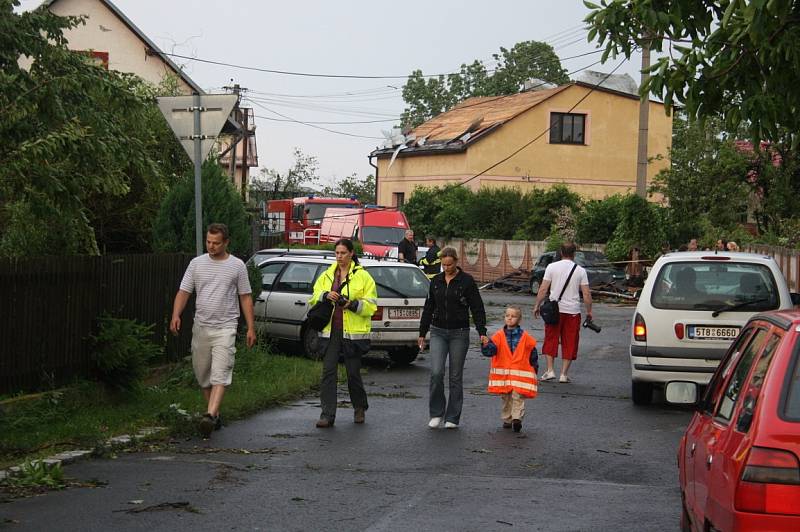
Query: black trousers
(336,347)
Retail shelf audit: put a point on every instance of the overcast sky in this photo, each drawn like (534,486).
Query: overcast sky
(351,38)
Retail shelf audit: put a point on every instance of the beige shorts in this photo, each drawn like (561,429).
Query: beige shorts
(213,355)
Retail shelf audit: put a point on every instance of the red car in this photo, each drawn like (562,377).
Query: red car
(739,459)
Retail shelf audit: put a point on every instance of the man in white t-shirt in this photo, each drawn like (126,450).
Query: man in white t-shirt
(221,283)
(567,330)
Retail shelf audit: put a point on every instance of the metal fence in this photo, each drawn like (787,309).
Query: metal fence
(50,305)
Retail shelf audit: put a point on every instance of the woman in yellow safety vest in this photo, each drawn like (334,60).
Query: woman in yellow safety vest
(352,291)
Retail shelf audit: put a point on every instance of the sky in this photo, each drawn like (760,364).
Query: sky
(351,37)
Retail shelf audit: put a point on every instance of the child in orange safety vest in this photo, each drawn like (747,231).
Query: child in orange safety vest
(515,364)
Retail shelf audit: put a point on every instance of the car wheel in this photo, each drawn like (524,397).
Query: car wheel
(642,393)
(403,356)
(311,344)
(534,286)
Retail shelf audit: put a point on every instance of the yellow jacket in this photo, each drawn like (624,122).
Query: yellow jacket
(361,289)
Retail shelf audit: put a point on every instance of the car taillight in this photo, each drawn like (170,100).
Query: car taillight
(378,315)
(770,483)
(679,330)
(639,329)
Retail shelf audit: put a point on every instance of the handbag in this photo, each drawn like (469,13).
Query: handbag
(321,313)
(549,308)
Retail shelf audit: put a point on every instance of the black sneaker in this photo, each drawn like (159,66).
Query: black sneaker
(517,424)
(206,425)
(218,422)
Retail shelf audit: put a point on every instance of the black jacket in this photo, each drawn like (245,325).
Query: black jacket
(409,250)
(449,305)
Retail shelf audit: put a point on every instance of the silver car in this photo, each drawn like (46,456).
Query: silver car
(287,285)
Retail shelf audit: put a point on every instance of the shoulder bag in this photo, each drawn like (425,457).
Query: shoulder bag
(549,309)
(322,312)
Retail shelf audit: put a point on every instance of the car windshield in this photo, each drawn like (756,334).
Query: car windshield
(388,236)
(316,211)
(397,281)
(712,285)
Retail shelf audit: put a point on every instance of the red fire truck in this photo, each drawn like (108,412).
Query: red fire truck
(299,219)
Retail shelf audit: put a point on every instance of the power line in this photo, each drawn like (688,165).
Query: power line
(543,133)
(338,76)
(312,125)
(329,123)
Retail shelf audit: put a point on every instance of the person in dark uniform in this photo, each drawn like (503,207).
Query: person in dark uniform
(432,262)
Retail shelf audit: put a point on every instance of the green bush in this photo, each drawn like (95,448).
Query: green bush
(541,208)
(597,219)
(174,226)
(641,225)
(122,350)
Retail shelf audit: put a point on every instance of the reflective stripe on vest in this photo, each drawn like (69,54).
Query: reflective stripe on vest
(512,372)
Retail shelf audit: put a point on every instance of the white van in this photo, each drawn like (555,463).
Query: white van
(691,308)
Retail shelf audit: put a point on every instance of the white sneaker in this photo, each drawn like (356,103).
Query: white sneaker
(547,376)
(564,378)
(451,425)
(434,422)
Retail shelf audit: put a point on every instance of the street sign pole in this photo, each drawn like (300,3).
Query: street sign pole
(198,167)
(197,136)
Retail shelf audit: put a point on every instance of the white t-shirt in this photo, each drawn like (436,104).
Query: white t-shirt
(557,273)
(218,284)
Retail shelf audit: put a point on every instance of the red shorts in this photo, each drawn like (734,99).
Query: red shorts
(567,331)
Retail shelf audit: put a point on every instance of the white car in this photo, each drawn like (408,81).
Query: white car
(692,306)
(287,285)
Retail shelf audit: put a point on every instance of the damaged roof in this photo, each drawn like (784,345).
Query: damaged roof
(452,130)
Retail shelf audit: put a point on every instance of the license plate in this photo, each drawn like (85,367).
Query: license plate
(701,332)
(404,313)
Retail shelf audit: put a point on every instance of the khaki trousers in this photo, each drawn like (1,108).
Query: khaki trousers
(513,406)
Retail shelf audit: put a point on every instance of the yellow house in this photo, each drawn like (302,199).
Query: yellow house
(508,141)
(116,42)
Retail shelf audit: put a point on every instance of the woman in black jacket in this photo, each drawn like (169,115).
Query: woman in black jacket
(452,297)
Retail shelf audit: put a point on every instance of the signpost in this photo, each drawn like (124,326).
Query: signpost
(197,136)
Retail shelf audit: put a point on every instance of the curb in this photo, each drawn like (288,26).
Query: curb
(69,457)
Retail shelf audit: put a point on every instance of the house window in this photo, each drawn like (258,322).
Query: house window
(566,128)
(398,199)
(98,58)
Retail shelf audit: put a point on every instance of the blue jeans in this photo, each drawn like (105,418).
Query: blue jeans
(444,343)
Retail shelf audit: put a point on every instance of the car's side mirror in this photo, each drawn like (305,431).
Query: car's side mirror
(795,298)
(681,393)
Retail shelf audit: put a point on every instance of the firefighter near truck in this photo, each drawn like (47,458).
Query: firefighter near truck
(298,220)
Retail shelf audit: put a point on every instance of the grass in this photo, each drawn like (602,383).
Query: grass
(86,414)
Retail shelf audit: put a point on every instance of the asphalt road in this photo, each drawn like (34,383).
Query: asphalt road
(586,459)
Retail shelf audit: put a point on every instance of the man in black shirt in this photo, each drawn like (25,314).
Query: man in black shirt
(431,263)
(407,249)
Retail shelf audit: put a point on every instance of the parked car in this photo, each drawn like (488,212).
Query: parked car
(287,285)
(739,459)
(598,269)
(691,307)
(264,254)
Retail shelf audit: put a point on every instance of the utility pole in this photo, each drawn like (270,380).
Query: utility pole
(644,122)
(245,145)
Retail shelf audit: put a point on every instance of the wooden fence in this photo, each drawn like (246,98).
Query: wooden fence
(50,305)
(487,260)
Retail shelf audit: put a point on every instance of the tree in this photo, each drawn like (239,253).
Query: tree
(727,58)
(598,218)
(426,98)
(706,181)
(73,135)
(541,210)
(352,187)
(174,226)
(300,178)
(641,225)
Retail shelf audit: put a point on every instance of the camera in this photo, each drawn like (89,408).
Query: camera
(342,301)
(589,324)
